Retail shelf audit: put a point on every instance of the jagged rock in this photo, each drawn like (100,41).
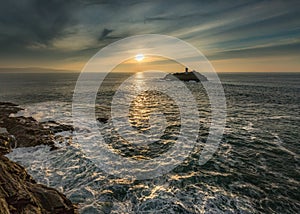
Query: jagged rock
(5,141)
(26,130)
(19,193)
(7,108)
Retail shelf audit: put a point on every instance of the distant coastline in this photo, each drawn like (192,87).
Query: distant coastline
(35,70)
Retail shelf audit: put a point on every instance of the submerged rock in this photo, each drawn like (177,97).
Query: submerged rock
(102,119)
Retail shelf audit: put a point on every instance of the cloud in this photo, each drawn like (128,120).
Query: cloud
(77,29)
(105,33)
(282,50)
(27,22)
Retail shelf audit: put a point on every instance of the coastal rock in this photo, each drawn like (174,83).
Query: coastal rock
(5,141)
(56,127)
(19,193)
(7,108)
(26,130)
(186,76)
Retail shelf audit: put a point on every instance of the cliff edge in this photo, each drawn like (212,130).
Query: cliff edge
(19,192)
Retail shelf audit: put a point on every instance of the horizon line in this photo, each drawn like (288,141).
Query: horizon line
(61,70)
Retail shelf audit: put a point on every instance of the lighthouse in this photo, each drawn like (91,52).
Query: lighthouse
(186,70)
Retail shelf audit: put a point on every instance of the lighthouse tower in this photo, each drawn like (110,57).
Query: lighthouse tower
(186,70)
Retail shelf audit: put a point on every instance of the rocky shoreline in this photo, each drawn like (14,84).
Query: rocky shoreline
(19,192)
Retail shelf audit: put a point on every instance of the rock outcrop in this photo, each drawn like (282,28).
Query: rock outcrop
(19,193)
(187,76)
(26,130)
(5,143)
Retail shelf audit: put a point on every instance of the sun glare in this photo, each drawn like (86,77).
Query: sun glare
(139,57)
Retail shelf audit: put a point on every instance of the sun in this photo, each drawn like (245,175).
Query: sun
(139,57)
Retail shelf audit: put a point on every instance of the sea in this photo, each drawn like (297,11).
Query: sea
(255,168)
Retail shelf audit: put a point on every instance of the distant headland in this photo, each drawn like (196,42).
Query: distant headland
(186,76)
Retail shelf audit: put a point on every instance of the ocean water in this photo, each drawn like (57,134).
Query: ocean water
(254,170)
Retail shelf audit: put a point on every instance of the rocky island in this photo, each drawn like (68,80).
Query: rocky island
(19,192)
(186,76)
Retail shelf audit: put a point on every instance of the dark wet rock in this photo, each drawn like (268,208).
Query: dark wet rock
(7,108)
(5,141)
(56,127)
(117,191)
(91,209)
(26,130)
(81,195)
(53,148)
(19,193)
(102,119)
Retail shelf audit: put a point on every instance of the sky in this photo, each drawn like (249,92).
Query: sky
(236,36)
